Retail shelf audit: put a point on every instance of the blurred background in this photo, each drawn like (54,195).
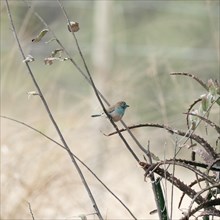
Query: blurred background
(130,47)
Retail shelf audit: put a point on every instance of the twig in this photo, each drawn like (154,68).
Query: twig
(88,80)
(197,164)
(52,118)
(195,137)
(95,89)
(71,59)
(68,54)
(192,76)
(217,185)
(197,181)
(30,209)
(96,177)
(212,165)
(172,187)
(209,212)
(212,124)
(201,118)
(182,163)
(193,154)
(189,109)
(172,179)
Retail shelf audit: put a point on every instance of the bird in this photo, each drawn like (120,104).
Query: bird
(116,111)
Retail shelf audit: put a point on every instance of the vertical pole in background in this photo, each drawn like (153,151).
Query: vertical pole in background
(101,56)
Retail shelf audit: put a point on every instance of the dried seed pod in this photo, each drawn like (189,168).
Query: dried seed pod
(73,27)
(40,35)
(28,59)
(49,60)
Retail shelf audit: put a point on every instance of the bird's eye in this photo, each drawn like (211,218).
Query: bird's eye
(124,104)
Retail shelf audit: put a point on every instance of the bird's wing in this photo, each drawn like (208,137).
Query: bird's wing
(111,109)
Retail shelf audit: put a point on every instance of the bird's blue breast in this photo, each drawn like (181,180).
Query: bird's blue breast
(117,112)
(120,111)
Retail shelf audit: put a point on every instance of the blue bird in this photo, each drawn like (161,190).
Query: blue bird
(116,111)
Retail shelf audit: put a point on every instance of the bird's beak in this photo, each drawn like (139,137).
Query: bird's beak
(127,105)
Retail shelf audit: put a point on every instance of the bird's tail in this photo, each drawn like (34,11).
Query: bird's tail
(96,115)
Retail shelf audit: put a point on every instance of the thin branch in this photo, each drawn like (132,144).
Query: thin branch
(192,76)
(193,154)
(97,95)
(189,167)
(209,212)
(172,179)
(212,165)
(197,181)
(172,187)
(212,124)
(190,108)
(68,54)
(52,118)
(179,184)
(217,185)
(197,164)
(95,89)
(30,210)
(77,158)
(206,113)
(88,80)
(195,137)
